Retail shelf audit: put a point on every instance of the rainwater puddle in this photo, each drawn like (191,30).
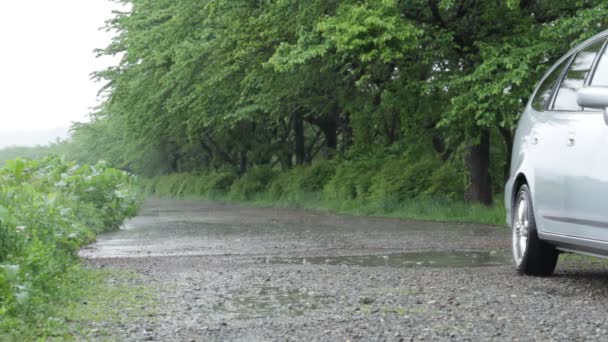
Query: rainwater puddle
(425,259)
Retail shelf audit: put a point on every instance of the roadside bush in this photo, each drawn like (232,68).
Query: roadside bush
(148,185)
(303,179)
(169,185)
(448,181)
(352,180)
(48,210)
(253,182)
(279,186)
(313,178)
(402,179)
(188,184)
(417,184)
(382,182)
(218,182)
(184,187)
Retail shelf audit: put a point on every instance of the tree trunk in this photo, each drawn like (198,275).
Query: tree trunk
(224,156)
(300,143)
(478,163)
(347,134)
(209,157)
(174,162)
(287,161)
(243,161)
(330,131)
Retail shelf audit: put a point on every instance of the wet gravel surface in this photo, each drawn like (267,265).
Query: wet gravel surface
(230,273)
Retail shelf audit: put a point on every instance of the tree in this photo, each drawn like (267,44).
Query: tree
(237,84)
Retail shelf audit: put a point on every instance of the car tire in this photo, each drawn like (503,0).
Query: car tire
(531,255)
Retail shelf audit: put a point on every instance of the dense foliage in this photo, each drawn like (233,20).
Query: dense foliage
(48,210)
(238,85)
(368,187)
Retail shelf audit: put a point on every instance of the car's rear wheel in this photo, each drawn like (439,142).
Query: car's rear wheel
(531,255)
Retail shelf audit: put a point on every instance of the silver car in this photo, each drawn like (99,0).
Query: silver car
(557,195)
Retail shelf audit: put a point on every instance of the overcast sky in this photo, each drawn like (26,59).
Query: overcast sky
(46,58)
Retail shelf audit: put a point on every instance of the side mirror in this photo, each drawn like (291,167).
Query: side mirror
(595,98)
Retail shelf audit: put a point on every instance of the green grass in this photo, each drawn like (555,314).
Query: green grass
(86,299)
(581,258)
(110,298)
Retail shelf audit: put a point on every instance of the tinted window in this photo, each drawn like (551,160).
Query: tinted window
(601,73)
(575,78)
(543,95)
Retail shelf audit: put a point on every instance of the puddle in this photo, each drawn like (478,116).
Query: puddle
(271,301)
(425,259)
(275,301)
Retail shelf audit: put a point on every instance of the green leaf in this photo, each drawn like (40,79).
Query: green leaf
(4,214)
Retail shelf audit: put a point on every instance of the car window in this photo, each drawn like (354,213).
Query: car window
(574,79)
(543,95)
(601,72)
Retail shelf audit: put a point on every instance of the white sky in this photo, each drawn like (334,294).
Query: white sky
(46,58)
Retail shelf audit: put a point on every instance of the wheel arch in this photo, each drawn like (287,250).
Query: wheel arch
(520,180)
(525,179)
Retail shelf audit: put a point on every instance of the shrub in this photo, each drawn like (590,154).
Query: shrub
(219,182)
(447,181)
(352,180)
(279,186)
(184,186)
(314,177)
(302,179)
(253,182)
(403,179)
(148,185)
(169,185)
(188,184)
(49,209)
(379,182)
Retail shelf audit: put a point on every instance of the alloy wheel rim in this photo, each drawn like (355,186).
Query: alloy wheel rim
(521,229)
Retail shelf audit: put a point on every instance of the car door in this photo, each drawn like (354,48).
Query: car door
(586,177)
(543,132)
(578,148)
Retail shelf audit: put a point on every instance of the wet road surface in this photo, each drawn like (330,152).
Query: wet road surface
(232,273)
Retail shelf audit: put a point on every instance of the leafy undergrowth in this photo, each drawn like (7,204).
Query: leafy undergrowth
(438,209)
(390,188)
(50,208)
(424,209)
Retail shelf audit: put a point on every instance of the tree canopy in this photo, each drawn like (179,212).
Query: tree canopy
(216,84)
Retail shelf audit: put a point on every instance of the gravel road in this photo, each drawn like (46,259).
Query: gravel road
(233,273)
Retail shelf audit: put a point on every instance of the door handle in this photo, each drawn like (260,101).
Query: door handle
(535,139)
(571,139)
